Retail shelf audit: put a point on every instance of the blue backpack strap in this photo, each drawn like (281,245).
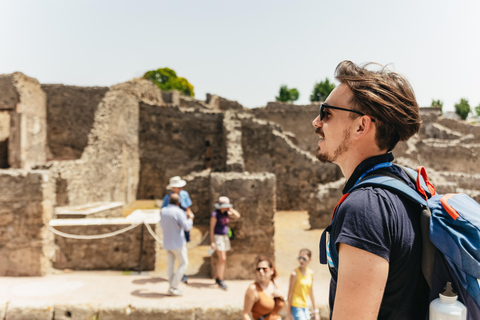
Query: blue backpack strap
(323,245)
(385,180)
(392,184)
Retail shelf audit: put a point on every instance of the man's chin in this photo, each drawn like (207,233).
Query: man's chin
(322,157)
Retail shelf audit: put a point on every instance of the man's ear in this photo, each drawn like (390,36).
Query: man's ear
(364,126)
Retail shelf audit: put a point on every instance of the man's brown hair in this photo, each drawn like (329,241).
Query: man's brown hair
(384,95)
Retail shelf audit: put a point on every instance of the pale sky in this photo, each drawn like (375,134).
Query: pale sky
(245,50)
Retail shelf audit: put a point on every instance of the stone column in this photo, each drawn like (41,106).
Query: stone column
(26,207)
(232,129)
(253,196)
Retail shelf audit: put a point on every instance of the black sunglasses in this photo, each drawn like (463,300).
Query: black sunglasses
(302,259)
(323,106)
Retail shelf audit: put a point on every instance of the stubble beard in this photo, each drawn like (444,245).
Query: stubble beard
(341,149)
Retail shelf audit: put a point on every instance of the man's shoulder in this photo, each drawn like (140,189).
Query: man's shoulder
(368,200)
(370,195)
(170,208)
(364,196)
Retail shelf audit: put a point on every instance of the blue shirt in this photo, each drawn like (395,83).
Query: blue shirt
(185,201)
(174,223)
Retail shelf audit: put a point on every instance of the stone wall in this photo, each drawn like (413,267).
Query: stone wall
(70,117)
(253,196)
(293,118)
(108,168)
(177,142)
(23,97)
(26,207)
(10,96)
(120,252)
(443,145)
(232,128)
(188,102)
(215,102)
(267,149)
(463,127)
(198,186)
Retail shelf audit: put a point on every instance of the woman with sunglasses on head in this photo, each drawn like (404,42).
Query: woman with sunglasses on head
(301,286)
(263,300)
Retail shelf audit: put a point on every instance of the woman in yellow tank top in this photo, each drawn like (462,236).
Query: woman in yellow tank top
(301,286)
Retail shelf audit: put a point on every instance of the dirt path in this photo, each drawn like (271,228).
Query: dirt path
(292,232)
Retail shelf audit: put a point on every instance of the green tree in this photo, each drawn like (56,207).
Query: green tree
(463,108)
(167,79)
(438,104)
(294,95)
(321,90)
(477,110)
(287,95)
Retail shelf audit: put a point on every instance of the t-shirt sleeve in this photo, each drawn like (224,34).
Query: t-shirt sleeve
(165,201)
(363,221)
(185,200)
(214,214)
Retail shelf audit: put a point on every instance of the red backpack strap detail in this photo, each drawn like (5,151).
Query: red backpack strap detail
(452,212)
(422,173)
(339,202)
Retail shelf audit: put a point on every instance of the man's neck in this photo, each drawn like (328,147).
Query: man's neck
(350,161)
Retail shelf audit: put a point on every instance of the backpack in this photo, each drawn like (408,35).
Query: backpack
(450,227)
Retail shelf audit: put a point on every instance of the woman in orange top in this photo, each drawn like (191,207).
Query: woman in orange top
(301,287)
(263,301)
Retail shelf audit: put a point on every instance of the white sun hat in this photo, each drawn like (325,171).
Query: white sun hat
(223,202)
(176,182)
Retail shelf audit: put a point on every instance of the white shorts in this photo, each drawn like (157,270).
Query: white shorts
(222,242)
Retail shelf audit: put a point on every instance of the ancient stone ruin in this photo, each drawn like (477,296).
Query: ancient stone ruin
(66,147)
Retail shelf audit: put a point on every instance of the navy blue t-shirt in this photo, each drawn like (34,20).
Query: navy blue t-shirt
(386,224)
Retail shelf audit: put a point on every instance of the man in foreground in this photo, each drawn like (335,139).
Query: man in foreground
(174,223)
(375,232)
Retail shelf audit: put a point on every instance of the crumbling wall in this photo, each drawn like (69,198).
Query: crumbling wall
(232,128)
(198,186)
(173,98)
(108,168)
(267,149)
(188,102)
(26,207)
(293,118)
(25,100)
(176,142)
(442,145)
(253,196)
(70,116)
(120,252)
(456,157)
(215,102)
(463,127)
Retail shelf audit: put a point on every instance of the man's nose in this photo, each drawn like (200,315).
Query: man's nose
(317,122)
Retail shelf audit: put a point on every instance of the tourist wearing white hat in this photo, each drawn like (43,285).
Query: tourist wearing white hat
(219,235)
(175,185)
